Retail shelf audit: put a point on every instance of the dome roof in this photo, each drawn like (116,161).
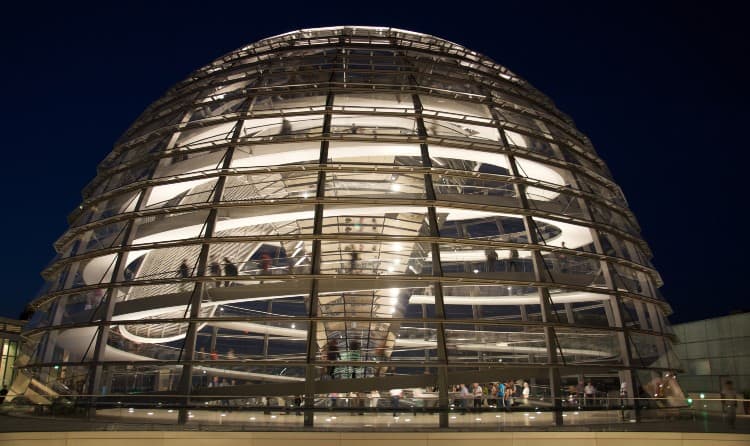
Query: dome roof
(354,204)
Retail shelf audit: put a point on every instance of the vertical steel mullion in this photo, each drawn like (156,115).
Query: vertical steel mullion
(615,304)
(544,297)
(437,269)
(312,338)
(102,332)
(185,383)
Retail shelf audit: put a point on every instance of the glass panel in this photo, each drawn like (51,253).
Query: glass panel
(144,341)
(79,308)
(487,301)
(281,128)
(164,263)
(374,102)
(204,136)
(484,225)
(375,185)
(270,185)
(108,208)
(469,160)
(486,262)
(154,144)
(442,106)
(534,144)
(458,128)
(218,104)
(650,351)
(379,125)
(391,154)
(587,346)
(495,343)
(241,341)
(537,171)
(129,379)
(467,189)
(283,298)
(286,152)
(564,267)
(631,280)
(373,220)
(102,237)
(185,192)
(68,345)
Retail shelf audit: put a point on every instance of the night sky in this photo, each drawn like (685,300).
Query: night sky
(660,90)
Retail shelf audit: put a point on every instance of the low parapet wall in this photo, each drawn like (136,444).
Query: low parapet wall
(370,438)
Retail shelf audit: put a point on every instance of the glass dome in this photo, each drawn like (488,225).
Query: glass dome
(342,210)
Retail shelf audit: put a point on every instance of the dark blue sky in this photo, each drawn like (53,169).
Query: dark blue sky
(661,90)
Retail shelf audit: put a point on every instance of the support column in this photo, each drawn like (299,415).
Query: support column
(312,336)
(437,270)
(187,355)
(541,274)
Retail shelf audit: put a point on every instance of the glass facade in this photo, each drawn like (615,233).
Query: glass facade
(344,210)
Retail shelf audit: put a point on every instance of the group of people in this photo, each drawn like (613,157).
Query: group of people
(214,269)
(500,395)
(512,263)
(584,395)
(352,353)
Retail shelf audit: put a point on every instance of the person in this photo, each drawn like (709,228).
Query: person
(579,393)
(513,261)
(465,397)
(562,260)
(509,394)
(3,392)
(214,269)
(588,394)
(395,397)
(332,354)
(286,127)
(230,269)
(478,395)
(623,399)
(418,394)
(351,354)
(184,269)
(354,128)
(354,262)
(729,403)
(184,274)
(265,263)
(201,354)
(491,255)
(374,398)
(525,393)
(492,398)
(380,355)
(500,395)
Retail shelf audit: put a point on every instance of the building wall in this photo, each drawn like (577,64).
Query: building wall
(10,330)
(714,350)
